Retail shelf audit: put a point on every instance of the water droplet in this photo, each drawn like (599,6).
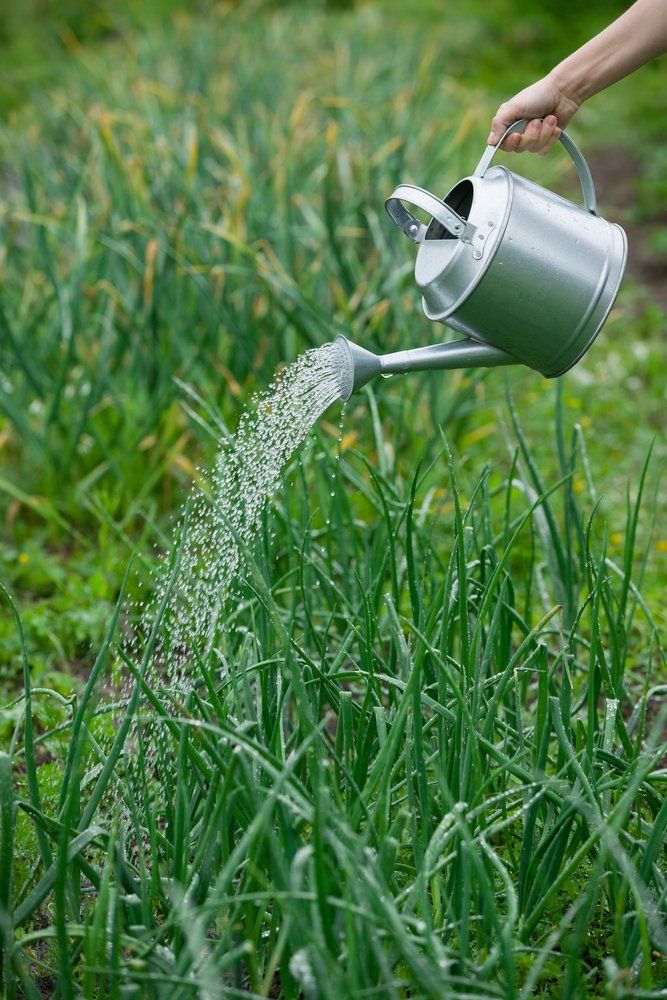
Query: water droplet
(224,520)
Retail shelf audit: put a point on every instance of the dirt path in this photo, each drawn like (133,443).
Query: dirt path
(615,172)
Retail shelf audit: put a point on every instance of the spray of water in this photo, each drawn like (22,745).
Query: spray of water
(224,513)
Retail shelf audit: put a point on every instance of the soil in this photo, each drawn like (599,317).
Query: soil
(615,172)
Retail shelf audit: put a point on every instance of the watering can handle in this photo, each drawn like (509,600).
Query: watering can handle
(416,230)
(576,155)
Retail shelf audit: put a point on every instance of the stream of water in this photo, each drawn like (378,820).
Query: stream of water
(224,513)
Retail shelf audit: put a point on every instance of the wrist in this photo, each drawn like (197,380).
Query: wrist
(569,83)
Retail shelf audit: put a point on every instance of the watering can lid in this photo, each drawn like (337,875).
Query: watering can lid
(463,261)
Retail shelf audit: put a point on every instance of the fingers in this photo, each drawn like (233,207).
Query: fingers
(513,142)
(547,135)
(505,115)
(538,136)
(550,144)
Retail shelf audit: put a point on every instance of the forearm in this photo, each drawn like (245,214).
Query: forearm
(636,37)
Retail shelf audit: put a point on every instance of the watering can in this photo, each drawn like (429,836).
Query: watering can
(525,275)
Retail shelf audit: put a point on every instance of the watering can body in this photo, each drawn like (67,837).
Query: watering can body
(525,275)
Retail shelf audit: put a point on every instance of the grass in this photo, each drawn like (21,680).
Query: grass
(426,756)
(400,769)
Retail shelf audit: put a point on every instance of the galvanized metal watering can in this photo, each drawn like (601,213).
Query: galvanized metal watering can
(527,276)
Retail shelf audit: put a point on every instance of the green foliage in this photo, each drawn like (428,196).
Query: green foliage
(37,35)
(426,754)
(400,772)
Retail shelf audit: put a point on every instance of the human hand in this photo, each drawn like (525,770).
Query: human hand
(548,109)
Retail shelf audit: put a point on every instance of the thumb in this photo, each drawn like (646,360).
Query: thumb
(495,134)
(505,116)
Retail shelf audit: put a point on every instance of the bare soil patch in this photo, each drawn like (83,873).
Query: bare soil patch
(615,171)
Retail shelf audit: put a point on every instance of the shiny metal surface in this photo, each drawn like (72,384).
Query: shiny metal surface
(540,275)
(582,168)
(447,270)
(442,213)
(363,365)
(553,278)
(454,354)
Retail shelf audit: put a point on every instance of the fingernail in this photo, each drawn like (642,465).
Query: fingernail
(492,136)
(550,120)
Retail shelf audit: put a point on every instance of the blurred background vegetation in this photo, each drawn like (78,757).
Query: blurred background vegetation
(192,193)
(37,34)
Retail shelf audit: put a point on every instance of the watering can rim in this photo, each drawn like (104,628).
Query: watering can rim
(460,227)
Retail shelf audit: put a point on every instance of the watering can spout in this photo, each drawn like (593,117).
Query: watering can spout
(363,365)
(359,367)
